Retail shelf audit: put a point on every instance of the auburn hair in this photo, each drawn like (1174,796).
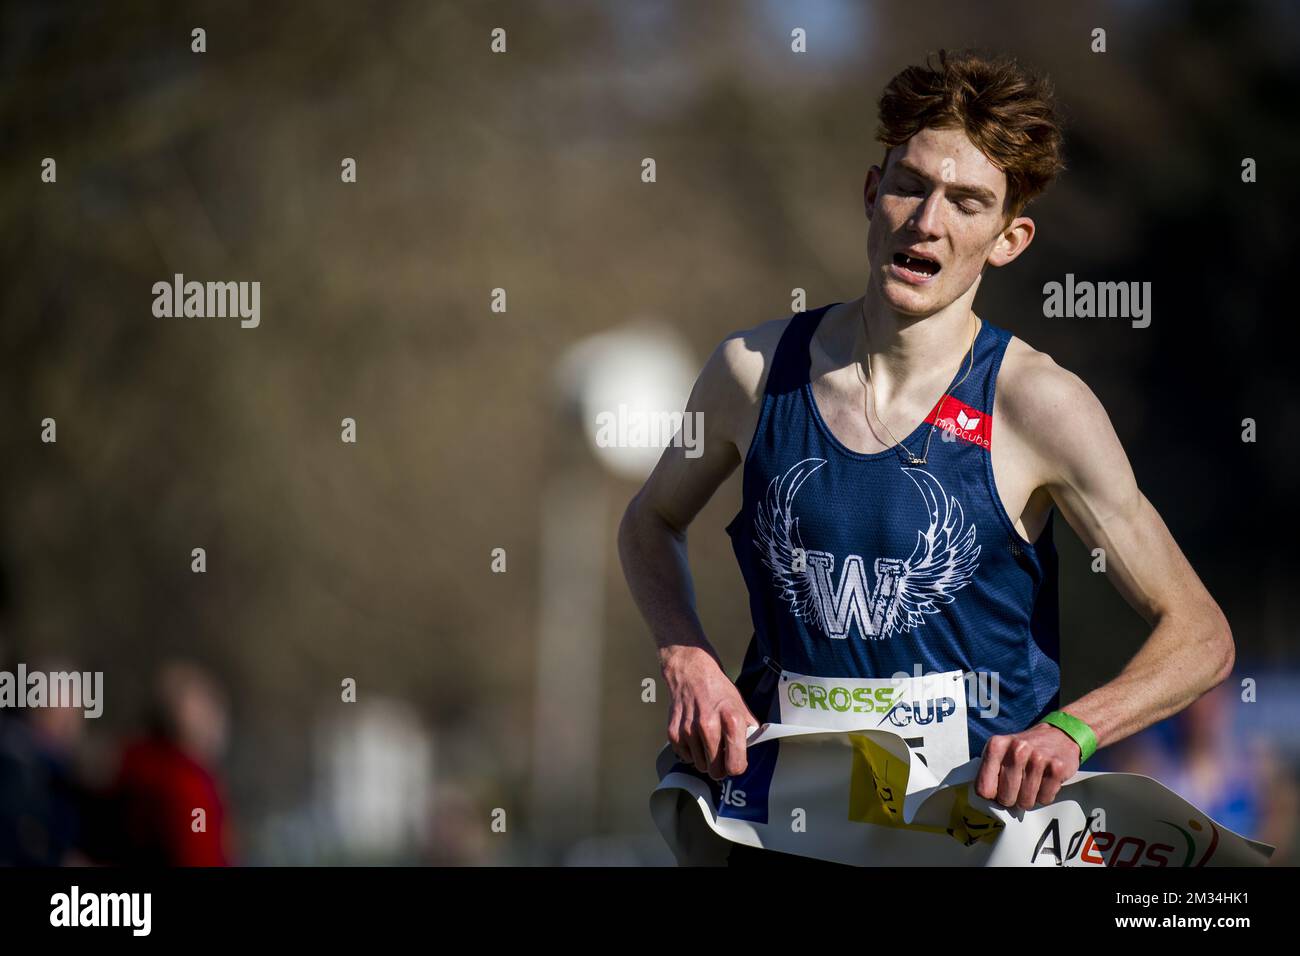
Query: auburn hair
(1006,109)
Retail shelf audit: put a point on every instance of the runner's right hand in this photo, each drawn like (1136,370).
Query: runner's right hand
(708,721)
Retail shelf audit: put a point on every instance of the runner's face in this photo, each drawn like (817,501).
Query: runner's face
(940,196)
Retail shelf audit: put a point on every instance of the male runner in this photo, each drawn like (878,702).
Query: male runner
(902,458)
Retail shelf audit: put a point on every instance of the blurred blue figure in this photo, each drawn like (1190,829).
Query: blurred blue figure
(40,797)
(1206,755)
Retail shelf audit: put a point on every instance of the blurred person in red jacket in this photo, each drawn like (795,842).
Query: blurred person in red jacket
(167,777)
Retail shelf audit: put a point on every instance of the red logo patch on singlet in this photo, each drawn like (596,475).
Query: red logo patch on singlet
(967,423)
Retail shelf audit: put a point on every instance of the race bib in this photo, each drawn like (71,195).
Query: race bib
(929,711)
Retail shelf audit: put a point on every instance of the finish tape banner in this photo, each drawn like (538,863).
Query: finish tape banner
(863,797)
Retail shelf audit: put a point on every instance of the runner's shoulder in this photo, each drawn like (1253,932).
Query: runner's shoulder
(736,373)
(1035,395)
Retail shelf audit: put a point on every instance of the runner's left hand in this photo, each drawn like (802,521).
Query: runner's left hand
(1027,769)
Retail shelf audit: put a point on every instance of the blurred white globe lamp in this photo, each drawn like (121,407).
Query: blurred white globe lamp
(629,387)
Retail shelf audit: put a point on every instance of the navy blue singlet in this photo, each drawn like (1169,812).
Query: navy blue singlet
(863,566)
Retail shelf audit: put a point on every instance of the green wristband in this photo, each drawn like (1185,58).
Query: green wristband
(1077,730)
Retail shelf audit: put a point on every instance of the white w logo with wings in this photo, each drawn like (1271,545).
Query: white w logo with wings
(942,562)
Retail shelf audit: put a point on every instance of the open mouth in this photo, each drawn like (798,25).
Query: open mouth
(918,266)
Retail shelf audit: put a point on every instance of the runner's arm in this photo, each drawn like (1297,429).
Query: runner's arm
(1190,648)
(706,707)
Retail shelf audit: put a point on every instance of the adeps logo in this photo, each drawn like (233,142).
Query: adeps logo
(1103,848)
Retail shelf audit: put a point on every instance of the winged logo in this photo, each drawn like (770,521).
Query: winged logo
(907,590)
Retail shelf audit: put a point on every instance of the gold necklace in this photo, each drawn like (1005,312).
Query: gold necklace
(871,392)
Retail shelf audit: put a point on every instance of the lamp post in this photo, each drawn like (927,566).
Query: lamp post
(633,373)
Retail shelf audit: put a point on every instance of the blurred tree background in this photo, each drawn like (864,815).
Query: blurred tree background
(522,171)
